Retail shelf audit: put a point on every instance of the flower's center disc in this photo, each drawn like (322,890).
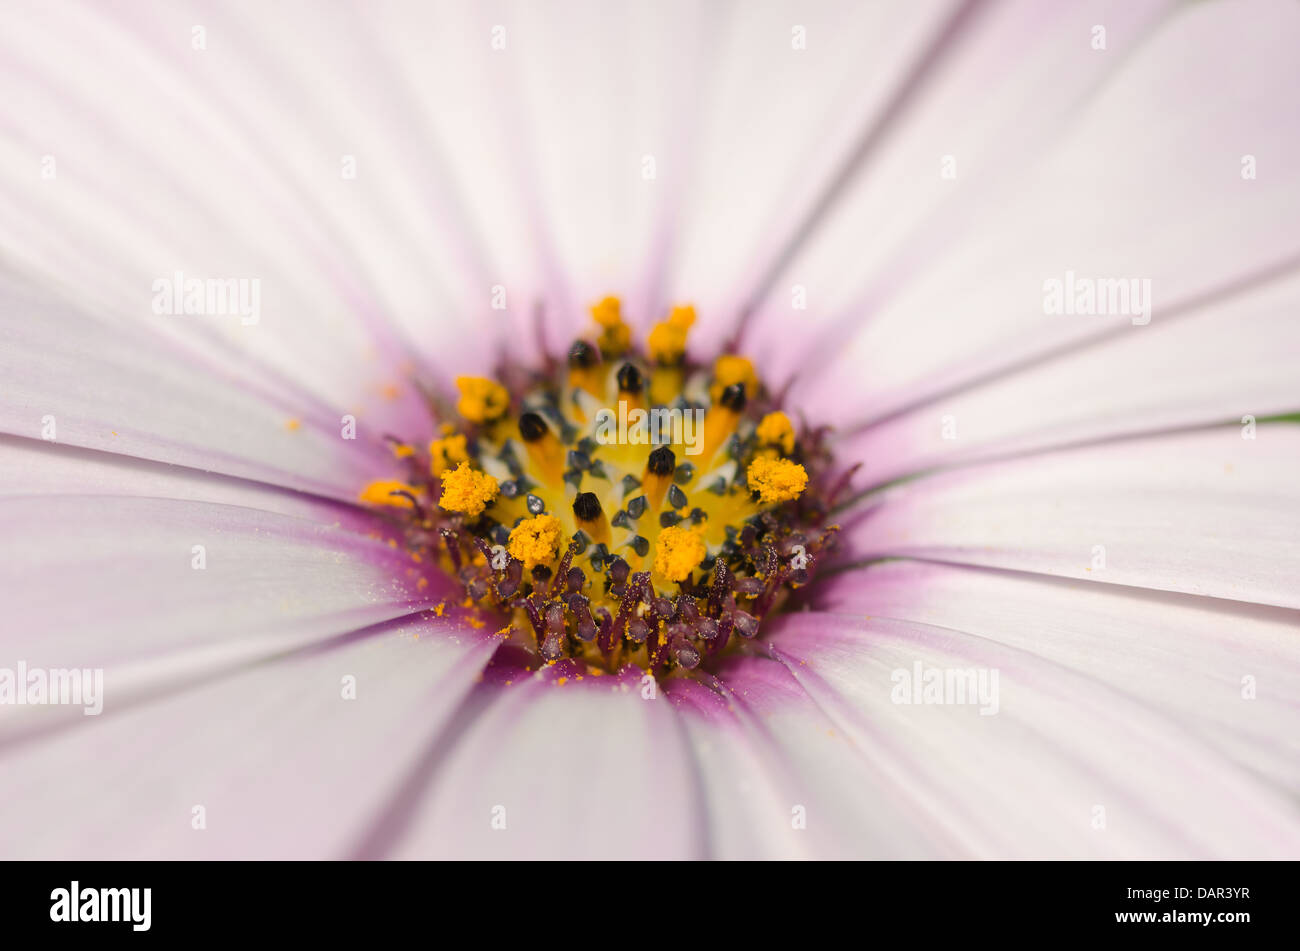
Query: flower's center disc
(627,506)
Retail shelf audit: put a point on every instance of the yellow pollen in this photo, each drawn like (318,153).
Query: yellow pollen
(615,336)
(467,490)
(290,424)
(381,493)
(402,451)
(481,400)
(775,429)
(729,369)
(535,541)
(776,480)
(677,552)
(667,340)
(447,452)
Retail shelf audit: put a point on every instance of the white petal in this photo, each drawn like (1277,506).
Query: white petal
(782,781)
(1224,670)
(280,762)
(1217,364)
(1119,163)
(1204,513)
(547,770)
(158,590)
(1065,768)
(72,380)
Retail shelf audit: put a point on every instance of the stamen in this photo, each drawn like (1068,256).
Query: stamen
(721,419)
(388,492)
(545,450)
(776,480)
(658,476)
(466,490)
(536,541)
(615,335)
(678,552)
(590,517)
(775,430)
(481,400)
(584,368)
(447,453)
(730,369)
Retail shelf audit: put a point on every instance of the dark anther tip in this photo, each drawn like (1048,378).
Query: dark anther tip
(532,427)
(629,379)
(662,461)
(582,355)
(586,506)
(733,397)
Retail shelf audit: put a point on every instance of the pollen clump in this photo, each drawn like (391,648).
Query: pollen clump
(615,336)
(730,369)
(776,480)
(536,541)
(667,341)
(381,493)
(467,490)
(775,429)
(678,551)
(481,400)
(448,452)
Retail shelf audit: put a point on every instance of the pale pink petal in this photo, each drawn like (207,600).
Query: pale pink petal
(1062,766)
(554,768)
(1226,671)
(781,780)
(71,380)
(286,760)
(1207,512)
(1119,163)
(1219,363)
(158,591)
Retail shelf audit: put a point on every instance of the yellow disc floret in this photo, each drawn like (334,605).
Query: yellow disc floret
(615,336)
(481,400)
(678,551)
(467,490)
(667,340)
(730,369)
(448,452)
(775,429)
(536,541)
(382,493)
(776,480)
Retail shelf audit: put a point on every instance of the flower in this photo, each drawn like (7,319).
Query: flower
(1023,291)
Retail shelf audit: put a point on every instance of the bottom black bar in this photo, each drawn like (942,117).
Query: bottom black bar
(142,900)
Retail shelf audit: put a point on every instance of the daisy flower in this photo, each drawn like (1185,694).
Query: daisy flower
(808,429)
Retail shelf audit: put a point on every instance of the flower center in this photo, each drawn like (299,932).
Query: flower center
(628,506)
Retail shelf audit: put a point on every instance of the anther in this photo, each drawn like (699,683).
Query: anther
(661,462)
(532,427)
(733,398)
(630,379)
(721,419)
(590,517)
(544,449)
(583,355)
(658,475)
